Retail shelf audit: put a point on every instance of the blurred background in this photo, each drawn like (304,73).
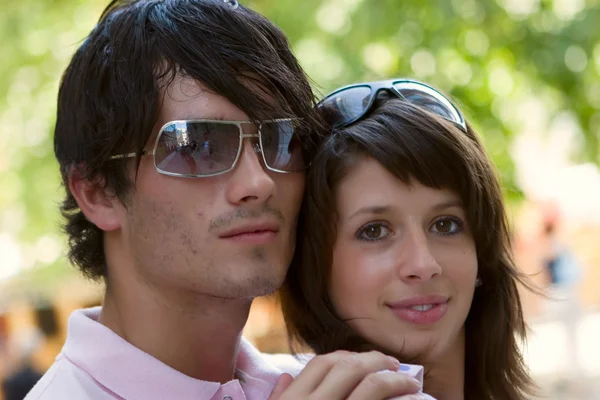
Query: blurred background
(525,72)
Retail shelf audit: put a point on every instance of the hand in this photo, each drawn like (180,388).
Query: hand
(344,375)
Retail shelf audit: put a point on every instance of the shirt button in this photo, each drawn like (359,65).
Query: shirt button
(227,398)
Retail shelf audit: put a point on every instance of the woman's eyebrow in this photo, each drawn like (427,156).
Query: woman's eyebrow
(383,209)
(372,210)
(448,204)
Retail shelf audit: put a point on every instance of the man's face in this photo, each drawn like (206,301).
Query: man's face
(228,236)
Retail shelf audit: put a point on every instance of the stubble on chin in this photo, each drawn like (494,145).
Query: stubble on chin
(257,274)
(268,275)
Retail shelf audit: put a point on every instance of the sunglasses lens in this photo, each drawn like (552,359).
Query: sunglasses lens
(429,99)
(346,105)
(281,145)
(197,148)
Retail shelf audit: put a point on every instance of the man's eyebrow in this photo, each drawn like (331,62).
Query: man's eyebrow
(195,118)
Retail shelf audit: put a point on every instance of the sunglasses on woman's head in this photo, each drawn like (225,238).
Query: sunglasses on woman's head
(203,148)
(350,103)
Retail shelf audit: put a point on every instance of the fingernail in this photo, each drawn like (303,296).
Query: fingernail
(396,362)
(404,368)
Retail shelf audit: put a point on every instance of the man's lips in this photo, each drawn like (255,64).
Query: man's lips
(249,229)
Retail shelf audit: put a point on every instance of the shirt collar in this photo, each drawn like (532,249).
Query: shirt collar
(124,369)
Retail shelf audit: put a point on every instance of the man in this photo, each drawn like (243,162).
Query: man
(185,212)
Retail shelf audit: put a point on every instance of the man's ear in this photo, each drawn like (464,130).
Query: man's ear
(102,210)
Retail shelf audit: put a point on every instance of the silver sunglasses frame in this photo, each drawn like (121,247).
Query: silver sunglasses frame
(258,147)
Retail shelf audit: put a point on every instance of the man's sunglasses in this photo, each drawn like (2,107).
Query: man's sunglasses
(350,103)
(202,148)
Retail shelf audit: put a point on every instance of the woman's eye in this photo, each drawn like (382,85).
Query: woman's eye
(373,232)
(447,226)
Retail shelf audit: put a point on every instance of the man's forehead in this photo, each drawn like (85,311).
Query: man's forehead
(184,89)
(187,98)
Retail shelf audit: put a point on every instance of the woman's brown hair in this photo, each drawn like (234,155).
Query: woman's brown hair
(414,144)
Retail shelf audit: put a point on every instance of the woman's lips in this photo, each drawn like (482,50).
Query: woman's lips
(421,309)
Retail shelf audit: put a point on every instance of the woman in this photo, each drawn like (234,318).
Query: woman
(404,245)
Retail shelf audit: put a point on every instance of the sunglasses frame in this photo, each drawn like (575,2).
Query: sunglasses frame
(258,147)
(388,85)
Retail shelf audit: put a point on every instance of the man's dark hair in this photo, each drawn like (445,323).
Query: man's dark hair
(110,94)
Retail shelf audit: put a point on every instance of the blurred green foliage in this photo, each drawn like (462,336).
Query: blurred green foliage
(512,65)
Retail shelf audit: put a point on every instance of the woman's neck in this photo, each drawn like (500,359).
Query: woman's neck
(445,374)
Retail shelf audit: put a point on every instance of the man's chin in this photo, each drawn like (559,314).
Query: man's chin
(265,286)
(251,287)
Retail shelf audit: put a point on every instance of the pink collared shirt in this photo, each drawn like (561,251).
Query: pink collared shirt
(97,364)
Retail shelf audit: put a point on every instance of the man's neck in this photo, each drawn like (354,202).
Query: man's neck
(196,335)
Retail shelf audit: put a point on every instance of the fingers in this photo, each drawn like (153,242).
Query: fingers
(343,375)
(335,375)
(385,385)
(283,382)
(316,369)
(350,370)
(410,397)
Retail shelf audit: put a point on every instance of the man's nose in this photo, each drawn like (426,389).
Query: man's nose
(250,180)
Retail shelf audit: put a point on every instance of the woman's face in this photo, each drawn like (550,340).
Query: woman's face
(404,263)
